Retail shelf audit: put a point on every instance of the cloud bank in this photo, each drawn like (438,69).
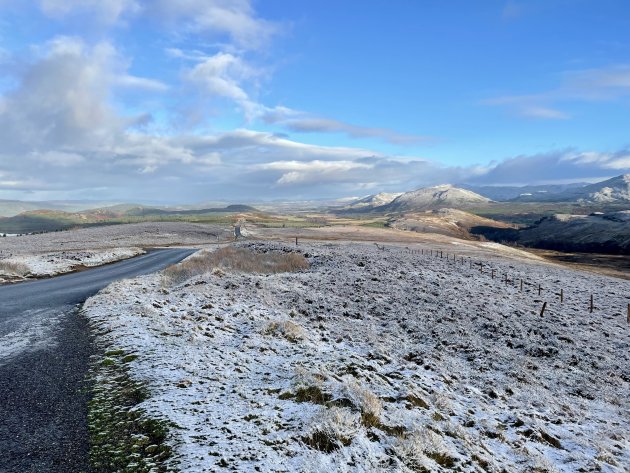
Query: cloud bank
(69,130)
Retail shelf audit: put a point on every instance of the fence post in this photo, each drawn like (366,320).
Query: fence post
(591,307)
(542,311)
(561,295)
(493,274)
(539,289)
(521,285)
(296,243)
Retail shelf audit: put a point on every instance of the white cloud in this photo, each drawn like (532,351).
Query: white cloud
(143,83)
(58,158)
(62,99)
(108,11)
(567,165)
(619,160)
(236,18)
(586,85)
(224,75)
(305,123)
(537,111)
(297,172)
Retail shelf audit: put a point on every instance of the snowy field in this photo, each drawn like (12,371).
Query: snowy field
(20,267)
(381,360)
(49,254)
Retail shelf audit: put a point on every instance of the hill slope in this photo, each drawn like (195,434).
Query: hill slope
(605,233)
(614,190)
(451,222)
(436,197)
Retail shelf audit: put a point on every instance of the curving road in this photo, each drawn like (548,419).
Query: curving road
(44,352)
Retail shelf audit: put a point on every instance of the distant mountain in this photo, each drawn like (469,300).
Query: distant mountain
(371,201)
(148,211)
(616,189)
(611,191)
(50,220)
(10,208)
(507,193)
(436,197)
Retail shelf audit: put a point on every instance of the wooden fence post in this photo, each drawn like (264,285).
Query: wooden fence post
(521,285)
(296,243)
(561,295)
(591,307)
(493,274)
(542,311)
(539,289)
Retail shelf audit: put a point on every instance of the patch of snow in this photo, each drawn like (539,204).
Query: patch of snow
(31,332)
(51,264)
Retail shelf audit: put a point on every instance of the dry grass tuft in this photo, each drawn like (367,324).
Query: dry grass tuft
(364,399)
(332,428)
(416,449)
(235,259)
(287,329)
(13,269)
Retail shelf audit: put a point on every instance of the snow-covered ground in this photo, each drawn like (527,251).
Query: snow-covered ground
(48,254)
(381,360)
(21,267)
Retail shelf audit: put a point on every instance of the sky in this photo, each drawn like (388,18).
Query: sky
(240,100)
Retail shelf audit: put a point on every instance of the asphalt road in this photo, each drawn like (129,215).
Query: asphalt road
(44,353)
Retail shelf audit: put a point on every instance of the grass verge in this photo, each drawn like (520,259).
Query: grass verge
(123,438)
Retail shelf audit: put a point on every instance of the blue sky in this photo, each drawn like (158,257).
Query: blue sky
(254,100)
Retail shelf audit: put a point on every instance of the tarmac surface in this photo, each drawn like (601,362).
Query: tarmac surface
(45,347)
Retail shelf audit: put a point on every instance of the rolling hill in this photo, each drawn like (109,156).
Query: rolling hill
(429,198)
(600,233)
(610,191)
(35,221)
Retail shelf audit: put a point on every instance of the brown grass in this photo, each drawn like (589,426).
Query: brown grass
(287,329)
(235,259)
(13,268)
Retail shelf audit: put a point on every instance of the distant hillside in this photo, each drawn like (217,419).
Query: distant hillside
(10,208)
(37,221)
(452,222)
(372,201)
(434,198)
(615,190)
(599,233)
(147,211)
(507,193)
(50,220)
